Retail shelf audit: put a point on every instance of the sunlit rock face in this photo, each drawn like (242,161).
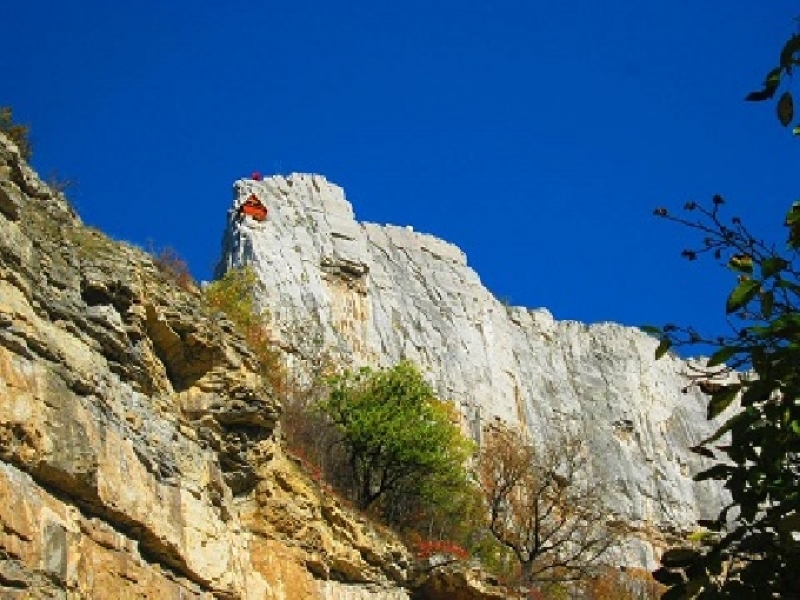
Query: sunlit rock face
(138,448)
(372,294)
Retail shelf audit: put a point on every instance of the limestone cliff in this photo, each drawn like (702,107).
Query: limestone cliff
(138,448)
(375,294)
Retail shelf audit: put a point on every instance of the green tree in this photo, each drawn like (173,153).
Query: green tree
(16,132)
(752,549)
(400,439)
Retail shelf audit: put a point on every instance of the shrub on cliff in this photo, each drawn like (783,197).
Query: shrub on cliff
(403,447)
(234,295)
(19,134)
(174,267)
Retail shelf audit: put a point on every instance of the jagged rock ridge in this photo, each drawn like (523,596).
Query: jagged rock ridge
(375,294)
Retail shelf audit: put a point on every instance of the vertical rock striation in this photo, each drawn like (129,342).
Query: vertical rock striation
(376,294)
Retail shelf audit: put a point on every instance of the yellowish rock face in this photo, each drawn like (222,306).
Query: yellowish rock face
(138,449)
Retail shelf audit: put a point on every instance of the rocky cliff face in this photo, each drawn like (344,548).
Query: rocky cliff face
(138,447)
(376,294)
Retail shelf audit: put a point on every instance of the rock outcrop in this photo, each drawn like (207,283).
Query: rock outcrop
(377,294)
(139,455)
(104,368)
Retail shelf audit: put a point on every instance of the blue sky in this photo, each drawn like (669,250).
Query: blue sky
(538,137)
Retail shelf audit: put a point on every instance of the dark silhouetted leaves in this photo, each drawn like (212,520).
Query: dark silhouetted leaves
(722,400)
(711,524)
(702,451)
(651,330)
(767,303)
(667,577)
(757,391)
(787,53)
(793,216)
(785,109)
(720,356)
(771,83)
(754,552)
(718,472)
(772,266)
(678,592)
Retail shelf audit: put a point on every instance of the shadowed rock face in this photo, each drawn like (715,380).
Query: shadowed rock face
(374,294)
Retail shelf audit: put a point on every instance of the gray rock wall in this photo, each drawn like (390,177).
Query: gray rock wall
(374,294)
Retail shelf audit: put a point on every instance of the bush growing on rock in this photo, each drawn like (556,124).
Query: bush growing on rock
(404,450)
(234,295)
(19,134)
(171,264)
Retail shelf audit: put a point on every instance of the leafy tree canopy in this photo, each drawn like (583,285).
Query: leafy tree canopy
(400,438)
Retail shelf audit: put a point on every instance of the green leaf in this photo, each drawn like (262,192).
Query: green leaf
(773,77)
(742,294)
(741,263)
(663,347)
(788,285)
(774,264)
(793,216)
(721,400)
(785,109)
(723,354)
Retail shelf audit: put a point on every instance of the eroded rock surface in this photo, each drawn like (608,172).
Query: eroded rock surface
(375,294)
(138,450)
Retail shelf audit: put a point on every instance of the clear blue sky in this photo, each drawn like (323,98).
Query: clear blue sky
(536,136)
